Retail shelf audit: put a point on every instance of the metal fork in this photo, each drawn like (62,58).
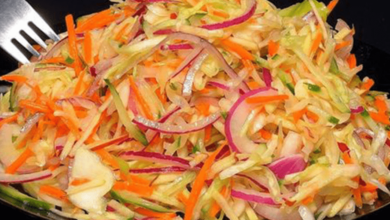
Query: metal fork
(15,17)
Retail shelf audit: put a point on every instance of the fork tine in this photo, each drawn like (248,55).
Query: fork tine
(41,24)
(30,32)
(27,45)
(15,53)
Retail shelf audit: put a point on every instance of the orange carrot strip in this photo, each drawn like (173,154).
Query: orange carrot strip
(215,208)
(54,192)
(55,60)
(145,107)
(80,181)
(368,84)
(273,48)
(352,61)
(138,180)
(203,108)
(347,159)
(199,183)
(108,158)
(73,51)
(133,187)
(9,119)
(98,20)
(265,134)
(182,198)
(14,78)
(238,49)
(25,139)
(121,32)
(312,116)
(332,5)
(88,48)
(382,180)
(357,195)
(253,85)
(11,169)
(316,42)
(265,99)
(39,131)
(368,188)
(149,213)
(220,14)
(380,104)
(342,45)
(80,82)
(207,135)
(298,114)
(308,200)
(381,118)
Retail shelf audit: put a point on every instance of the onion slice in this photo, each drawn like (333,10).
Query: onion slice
(288,165)
(249,12)
(189,80)
(176,129)
(267,77)
(357,110)
(236,120)
(253,196)
(155,157)
(177,47)
(158,170)
(25,178)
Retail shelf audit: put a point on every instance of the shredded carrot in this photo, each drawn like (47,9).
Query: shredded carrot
(54,192)
(182,198)
(204,108)
(381,105)
(138,180)
(357,195)
(382,180)
(73,51)
(265,134)
(134,187)
(26,138)
(253,85)
(108,158)
(207,135)
(308,200)
(199,183)
(266,99)
(248,65)
(312,116)
(368,84)
(144,105)
(220,14)
(380,117)
(60,60)
(149,213)
(298,114)
(80,82)
(14,78)
(120,34)
(332,5)
(98,20)
(88,48)
(11,169)
(368,188)
(39,131)
(352,61)
(238,49)
(215,208)
(347,159)
(316,42)
(79,181)
(342,45)
(273,48)
(9,119)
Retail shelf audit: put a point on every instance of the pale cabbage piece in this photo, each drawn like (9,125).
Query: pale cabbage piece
(89,166)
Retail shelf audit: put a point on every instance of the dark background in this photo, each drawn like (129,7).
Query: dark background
(372,47)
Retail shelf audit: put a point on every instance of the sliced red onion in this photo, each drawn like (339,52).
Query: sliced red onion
(177,47)
(141,10)
(189,80)
(132,105)
(357,110)
(151,134)
(253,196)
(25,178)
(79,101)
(267,77)
(253,180)
(134,30)
(365,131)
(249,12)
(191,57)
(155,157)
(59,148)
(236,120)
(224,150)
(218,84)
(92,71)
(275,213)
(110,209)
(158,170)
(59,44)
(100,69)
(288,165)
(344,52)
(164,32)
(177,129)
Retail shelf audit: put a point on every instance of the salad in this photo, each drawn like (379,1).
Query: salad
(196,109)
